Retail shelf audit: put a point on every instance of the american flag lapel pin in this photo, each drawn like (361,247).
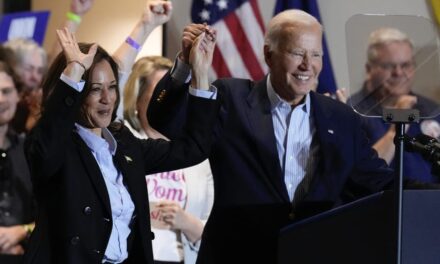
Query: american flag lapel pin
(128,159)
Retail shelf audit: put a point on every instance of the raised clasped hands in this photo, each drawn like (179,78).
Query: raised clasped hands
(189,35)
(200,58)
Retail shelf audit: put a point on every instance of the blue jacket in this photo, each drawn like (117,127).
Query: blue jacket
(251,202)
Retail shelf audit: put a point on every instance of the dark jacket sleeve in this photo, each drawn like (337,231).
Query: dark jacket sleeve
(44,146)
(190,147)
(167,109)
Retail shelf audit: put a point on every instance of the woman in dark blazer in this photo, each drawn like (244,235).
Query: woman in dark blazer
(89,172)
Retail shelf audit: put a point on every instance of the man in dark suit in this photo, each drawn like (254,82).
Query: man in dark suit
(280,151)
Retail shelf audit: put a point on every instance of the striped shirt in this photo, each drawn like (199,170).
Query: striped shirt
(294,130)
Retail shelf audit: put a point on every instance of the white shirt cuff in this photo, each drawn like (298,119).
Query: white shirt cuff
(208,94)
(79,86)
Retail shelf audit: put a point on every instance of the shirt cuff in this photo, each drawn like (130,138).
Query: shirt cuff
(79,86)
(181,71)
(208,94)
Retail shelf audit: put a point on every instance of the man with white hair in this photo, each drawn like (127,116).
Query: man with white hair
(280,152)
(390,73)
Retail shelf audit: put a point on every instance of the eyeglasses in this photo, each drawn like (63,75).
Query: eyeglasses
(389,66)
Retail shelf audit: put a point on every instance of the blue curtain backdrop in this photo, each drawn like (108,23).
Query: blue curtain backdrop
(326,79)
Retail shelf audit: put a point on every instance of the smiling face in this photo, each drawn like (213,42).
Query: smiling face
(296,60)
(31,70)
(98,106)
(8,98)
(391,72)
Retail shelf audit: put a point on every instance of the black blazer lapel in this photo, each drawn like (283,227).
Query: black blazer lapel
(125,164)
(94,172)
(326,132)
(260,119)
(325,129)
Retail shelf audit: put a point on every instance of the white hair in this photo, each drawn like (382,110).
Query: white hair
(383,36)
(287,19)
(22,48)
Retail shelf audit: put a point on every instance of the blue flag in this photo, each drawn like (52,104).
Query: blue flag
(326,79)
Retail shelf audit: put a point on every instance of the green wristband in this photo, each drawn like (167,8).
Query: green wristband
(73,17)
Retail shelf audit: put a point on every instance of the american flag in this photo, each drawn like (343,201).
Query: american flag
(240,37)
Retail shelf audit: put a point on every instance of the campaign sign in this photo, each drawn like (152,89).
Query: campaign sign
(30,25)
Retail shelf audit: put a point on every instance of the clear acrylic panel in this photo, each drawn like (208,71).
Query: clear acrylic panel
(384,68)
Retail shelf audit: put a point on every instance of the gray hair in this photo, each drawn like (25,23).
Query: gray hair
(383,36)
(22,48)
(291,19)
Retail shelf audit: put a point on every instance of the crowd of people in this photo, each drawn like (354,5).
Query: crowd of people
(105,158)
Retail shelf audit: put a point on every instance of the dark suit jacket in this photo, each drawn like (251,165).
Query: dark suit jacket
(251,203)
(74,218)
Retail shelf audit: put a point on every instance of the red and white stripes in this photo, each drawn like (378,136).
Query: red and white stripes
(239,50)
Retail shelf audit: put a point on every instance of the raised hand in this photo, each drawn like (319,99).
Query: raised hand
(200,59)
(157,12)
(81,7)
(77,61)
(71,49)
(189,35)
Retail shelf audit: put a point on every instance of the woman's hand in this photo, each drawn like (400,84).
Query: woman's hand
(178,219)
(77,61)
(172,214)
